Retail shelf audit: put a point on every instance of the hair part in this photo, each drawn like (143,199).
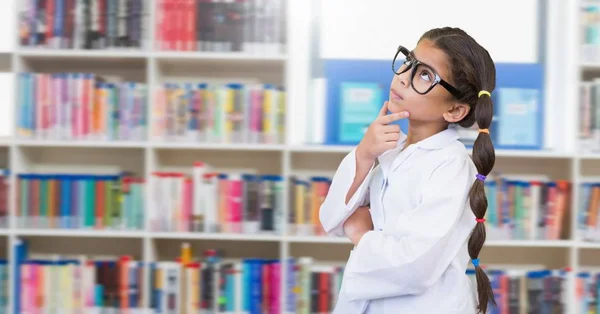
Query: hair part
(473,70)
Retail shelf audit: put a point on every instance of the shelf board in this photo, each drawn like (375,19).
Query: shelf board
(590,156)
(588,245)
(529,243)
(318,239)
(216,236)
(82,143)
(218,146)
(532,154)
(80,233)
(218,56)
(321,148)
(45,53)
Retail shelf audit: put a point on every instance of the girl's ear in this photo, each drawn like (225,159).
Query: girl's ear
(456,112)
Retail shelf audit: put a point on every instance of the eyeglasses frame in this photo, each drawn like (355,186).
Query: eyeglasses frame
(414,64)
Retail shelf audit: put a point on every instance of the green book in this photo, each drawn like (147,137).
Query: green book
(44,201)
(90,200)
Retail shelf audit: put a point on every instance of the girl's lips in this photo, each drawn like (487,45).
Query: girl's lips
(396,95)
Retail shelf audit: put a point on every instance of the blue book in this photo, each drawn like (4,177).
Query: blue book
(65,201)
(359,105)
(519,118)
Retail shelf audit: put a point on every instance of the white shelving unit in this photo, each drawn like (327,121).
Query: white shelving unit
(155,67)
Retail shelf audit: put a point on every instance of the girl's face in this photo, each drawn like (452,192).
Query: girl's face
(438,105)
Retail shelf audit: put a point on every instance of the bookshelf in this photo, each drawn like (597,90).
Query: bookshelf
(154,67)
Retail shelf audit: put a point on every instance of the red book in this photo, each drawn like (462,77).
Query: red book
(99,211)
(49,22)
(191,25)
(324,291)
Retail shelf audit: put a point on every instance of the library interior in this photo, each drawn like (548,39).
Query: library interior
(173,155)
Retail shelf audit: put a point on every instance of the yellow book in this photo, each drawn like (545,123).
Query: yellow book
(300,195)
(267,113)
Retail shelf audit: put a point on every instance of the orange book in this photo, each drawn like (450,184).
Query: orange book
(562,200)
(123,281)
(96,110)
(592,211)
(100,206)
(52,199)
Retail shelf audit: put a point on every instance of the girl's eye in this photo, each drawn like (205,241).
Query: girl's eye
(426,76)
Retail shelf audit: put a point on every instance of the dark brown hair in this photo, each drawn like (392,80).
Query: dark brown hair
(472,70)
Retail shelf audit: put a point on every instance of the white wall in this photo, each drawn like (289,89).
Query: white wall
(7,26)
(373,29)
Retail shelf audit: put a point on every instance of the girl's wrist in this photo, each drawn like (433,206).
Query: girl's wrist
(362,157)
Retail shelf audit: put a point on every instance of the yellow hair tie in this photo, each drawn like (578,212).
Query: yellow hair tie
(484,131)
(484,92)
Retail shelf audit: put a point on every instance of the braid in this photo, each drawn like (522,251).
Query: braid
(474,75)
(484,158)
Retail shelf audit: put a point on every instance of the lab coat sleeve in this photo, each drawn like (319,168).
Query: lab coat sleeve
(334,211)
(384,264)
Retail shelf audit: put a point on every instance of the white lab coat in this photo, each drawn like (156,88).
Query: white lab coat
(414,260)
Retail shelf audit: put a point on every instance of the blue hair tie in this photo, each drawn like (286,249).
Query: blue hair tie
(476,262)
(480,177)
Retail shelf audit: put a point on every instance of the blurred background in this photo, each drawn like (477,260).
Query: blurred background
(170,156)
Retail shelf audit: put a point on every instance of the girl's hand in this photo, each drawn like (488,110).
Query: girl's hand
(358,224)
(380,136)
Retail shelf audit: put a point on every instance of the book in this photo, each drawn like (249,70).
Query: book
(80,106)
(208,201)
(79,284)
(83,24)
(253,26)
(219,113)
(80,201)
(525,209)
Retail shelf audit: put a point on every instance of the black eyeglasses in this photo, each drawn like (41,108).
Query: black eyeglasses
(428,77)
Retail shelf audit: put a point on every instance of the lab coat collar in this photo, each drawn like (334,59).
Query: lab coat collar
(390,160)
(439,140)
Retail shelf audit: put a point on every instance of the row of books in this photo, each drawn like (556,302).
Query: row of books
(207,201)
(231,113)
(65,285)
(82,24)
(589,120)
(527,210)
(215,283)
(588,222)
(78,201)
(253,26)
(590,33)
(527,291)
(587,285)
(306,197)
(211,282)
(80,106)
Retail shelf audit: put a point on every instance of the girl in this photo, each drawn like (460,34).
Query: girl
(416,218)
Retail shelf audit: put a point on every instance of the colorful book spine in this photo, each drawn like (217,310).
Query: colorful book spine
(306,196)
(206,201)
(79,285)
(80,106)
(227,113)
(215,284)
(77,201)
(256,27)
(4,197)
(527,210)
(82,24)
